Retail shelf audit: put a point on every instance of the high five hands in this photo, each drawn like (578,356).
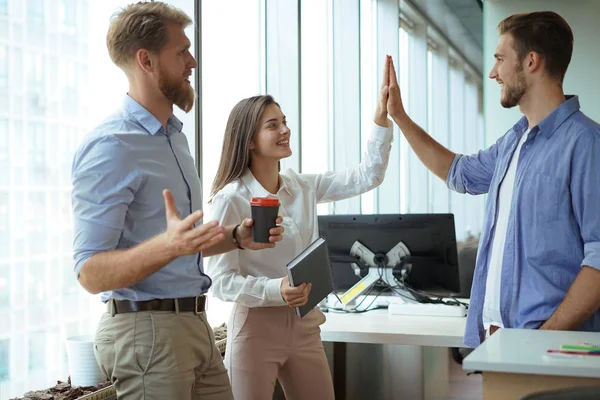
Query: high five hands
(183,238)
(390,101)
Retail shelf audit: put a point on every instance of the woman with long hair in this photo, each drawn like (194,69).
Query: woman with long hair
(265,338)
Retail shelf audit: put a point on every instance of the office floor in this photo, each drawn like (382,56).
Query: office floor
(463,387)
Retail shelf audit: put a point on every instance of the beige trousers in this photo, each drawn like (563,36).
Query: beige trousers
(264,344)
(154,355)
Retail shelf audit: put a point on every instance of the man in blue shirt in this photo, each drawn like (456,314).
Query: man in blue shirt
(143,252)
(539,252)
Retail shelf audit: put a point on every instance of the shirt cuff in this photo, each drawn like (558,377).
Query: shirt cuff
(451,180)
(591,251)
(273,291)
(381,134)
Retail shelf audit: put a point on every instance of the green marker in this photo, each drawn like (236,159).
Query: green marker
(579,347)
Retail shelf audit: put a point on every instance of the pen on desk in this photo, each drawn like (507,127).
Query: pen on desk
(579,353)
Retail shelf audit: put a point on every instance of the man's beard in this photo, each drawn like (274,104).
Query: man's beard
(179,93)
(514,93)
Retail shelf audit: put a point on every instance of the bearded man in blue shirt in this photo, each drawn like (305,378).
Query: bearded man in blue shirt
(539,253)
(139,239)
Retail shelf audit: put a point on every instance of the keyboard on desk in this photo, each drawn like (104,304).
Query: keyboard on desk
(427,309)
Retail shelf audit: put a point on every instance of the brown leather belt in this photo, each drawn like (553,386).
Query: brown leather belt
(185,304)
(493,329)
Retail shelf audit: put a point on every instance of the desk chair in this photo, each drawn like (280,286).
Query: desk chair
(467,256)
(579,393)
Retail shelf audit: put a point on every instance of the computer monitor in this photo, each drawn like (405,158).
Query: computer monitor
(430,238)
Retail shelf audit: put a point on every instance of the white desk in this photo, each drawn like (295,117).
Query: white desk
(379,328)
(411,371)
(514,363)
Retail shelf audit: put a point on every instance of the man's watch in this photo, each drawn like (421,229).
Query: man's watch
(234,237)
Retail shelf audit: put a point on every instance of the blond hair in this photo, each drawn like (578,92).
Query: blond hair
(141,26)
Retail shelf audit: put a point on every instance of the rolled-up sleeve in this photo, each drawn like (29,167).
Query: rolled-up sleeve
(104,183)
(585,192)
(473,173)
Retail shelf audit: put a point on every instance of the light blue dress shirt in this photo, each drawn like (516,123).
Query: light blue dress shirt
(554,226)
(119,172)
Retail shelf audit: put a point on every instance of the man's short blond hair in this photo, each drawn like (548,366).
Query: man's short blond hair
(141,26)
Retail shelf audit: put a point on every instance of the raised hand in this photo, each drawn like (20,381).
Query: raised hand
(182,237)
(381,112)
(394,101)
(244,235)
(295,296)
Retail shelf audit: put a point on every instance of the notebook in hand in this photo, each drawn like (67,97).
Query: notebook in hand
(312,266)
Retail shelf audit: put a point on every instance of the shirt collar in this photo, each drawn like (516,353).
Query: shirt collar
(148,121)
(174,123)
(257,190)
(555,119)
(548,125)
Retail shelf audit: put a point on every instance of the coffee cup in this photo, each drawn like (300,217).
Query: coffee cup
(264,214)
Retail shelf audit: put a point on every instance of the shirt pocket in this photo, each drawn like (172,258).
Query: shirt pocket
(544,196)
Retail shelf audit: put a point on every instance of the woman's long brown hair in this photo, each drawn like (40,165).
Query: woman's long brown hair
(242,126)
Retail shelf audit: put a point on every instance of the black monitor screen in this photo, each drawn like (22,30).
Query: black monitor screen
(430,238)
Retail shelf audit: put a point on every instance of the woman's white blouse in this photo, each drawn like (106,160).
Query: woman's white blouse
(253,278)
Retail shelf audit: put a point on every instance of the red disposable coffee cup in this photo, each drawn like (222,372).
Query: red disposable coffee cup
(264,214)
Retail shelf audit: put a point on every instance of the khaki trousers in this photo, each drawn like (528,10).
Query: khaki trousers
(154,355)
(264,344)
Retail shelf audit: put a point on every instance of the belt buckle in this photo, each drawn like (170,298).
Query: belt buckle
(196,310)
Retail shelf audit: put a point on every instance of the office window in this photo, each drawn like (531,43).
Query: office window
(60,59)
(35,11)
(438,117)
(3,66)
(18,168)
(4,234)
(34,75)
(368,85)
(16,74)
(222,50)
(36,154)
(4,152)
(37,351)
(35,221)
(4,359)
(67,16)
(4,270)
(316,90)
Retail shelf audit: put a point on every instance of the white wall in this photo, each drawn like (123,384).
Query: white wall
(582,78)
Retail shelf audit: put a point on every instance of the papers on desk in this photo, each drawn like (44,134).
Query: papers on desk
(427,309)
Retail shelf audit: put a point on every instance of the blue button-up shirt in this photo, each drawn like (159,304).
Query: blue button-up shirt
(554,226)
(119,173)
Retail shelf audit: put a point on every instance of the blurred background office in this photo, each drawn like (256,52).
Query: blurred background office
(320,59)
